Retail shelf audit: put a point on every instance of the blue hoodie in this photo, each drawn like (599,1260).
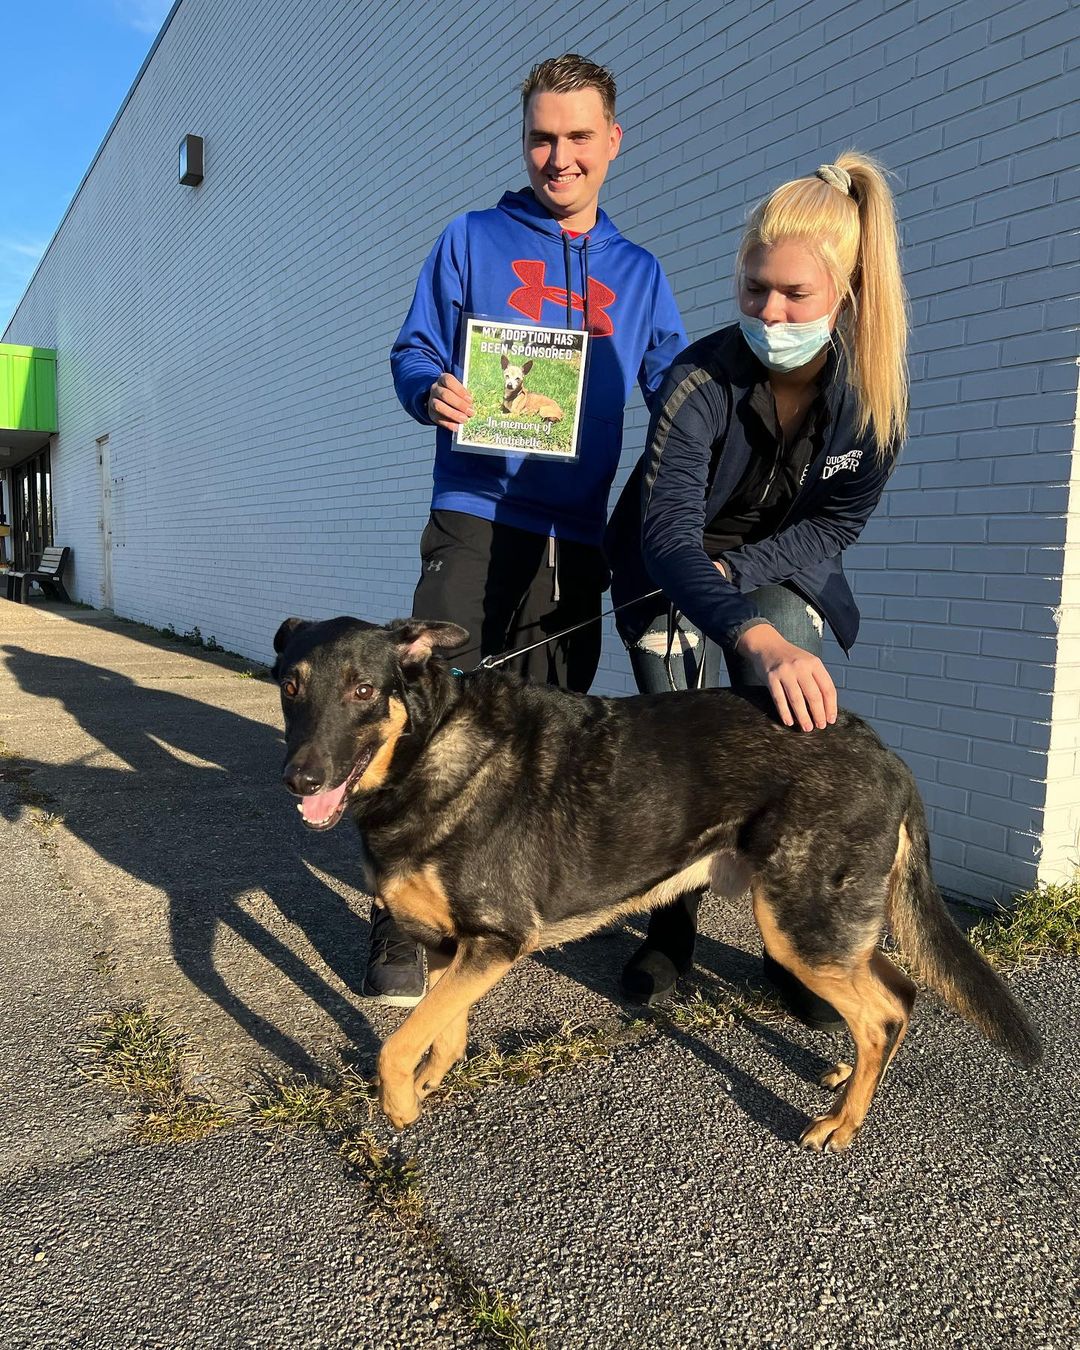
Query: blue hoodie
(515,262)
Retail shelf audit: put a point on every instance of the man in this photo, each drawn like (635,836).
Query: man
(512,549)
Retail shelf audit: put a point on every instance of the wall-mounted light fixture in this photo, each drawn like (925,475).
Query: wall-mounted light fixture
(191,160)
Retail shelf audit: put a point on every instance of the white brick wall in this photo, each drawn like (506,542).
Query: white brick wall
(232,340)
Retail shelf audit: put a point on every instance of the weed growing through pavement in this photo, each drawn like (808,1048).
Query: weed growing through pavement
(298,1103)
(1040,922)
(138,1052)
(192,638)
(393,1183)
(699,1012)
(710,1006)
(45,820)
(566,1048)
(494,1315)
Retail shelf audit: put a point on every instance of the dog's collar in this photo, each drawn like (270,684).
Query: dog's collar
(454,671)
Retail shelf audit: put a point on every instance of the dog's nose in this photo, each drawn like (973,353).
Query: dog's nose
(301,780)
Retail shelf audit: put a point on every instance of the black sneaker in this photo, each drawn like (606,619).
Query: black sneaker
(666,955)
(650,976)
(396,972)
(810,1009)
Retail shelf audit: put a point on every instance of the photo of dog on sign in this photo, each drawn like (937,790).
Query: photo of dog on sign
(527,385)
(518,401)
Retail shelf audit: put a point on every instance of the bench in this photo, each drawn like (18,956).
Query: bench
(48,575)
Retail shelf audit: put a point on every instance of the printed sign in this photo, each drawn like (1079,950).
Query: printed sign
(527,385)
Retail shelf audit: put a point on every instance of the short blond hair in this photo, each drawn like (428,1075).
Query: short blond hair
(846,216)
(567,74)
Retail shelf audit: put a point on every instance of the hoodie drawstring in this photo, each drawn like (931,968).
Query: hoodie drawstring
(569,287)
(569,280)
(585,287)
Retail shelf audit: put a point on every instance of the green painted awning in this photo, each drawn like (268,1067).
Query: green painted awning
(27,396)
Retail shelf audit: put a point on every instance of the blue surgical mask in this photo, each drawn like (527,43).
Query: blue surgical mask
(785,346)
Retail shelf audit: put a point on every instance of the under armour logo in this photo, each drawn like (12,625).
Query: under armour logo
(435,565)
(529,298)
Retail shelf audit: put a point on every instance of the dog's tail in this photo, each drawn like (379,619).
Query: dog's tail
(940,954)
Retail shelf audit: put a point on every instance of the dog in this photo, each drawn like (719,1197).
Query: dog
(518,401)
(501,817)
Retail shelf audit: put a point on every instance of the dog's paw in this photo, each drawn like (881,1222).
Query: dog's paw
(427,1082)
(837,1076)
(400,1107)
(430,1074)
(829,1134)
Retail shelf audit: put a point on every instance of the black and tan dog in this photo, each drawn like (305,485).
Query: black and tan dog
(501,817)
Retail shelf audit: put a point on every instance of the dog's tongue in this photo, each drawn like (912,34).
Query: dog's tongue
(321,806)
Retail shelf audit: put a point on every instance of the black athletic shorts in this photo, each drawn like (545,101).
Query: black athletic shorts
(511,588)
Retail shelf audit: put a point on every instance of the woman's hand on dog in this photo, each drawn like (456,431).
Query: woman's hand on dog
(801,687)
(449,403)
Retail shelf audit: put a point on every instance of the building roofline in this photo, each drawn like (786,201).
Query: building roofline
(97,155)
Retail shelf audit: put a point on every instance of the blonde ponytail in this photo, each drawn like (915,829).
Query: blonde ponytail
(846,215)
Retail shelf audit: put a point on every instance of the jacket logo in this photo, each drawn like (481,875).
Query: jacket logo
(835,463)
(529,297)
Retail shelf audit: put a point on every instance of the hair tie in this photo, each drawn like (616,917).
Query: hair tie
(836,177)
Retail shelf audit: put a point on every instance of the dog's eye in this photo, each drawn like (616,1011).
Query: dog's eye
(290,688)
(364,691)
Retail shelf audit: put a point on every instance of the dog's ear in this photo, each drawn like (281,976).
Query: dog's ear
(288,631)
(504,362)
(417,639)
(526,368)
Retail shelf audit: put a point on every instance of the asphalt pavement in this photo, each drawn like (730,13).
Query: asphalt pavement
(651,1196)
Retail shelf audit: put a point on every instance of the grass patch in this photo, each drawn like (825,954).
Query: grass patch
(716,1008)
(45,820)
(1043,921)
(498,1319)
(566,1048)
(700,1012)
(393,1182)
(300,1104)
(184,1120)
(139,1053)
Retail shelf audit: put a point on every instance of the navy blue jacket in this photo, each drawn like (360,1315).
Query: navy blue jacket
(698,450)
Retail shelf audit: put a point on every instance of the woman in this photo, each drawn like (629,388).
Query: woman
(768,450)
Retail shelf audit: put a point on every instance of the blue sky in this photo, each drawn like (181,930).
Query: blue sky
(68,65)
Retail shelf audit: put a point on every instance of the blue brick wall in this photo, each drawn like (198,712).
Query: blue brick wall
(232,340)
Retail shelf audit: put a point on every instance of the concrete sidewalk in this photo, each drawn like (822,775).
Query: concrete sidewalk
(652,1196)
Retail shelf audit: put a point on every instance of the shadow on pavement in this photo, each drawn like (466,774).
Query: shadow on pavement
(596,962)
(196,810)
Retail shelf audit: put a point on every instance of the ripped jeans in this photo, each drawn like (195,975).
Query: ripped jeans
(790,615)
